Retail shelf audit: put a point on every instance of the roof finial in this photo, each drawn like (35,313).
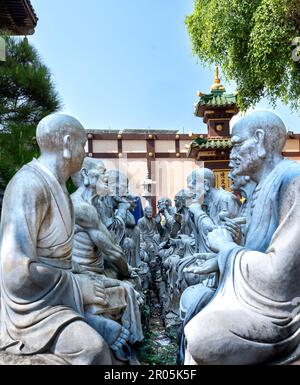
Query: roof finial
(217,86)
(217,74)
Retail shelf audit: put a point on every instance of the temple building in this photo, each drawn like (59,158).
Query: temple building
(17,17)
(213,148)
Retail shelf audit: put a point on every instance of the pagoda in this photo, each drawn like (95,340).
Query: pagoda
(216,109)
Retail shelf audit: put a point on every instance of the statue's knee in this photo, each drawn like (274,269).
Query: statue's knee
(97,352)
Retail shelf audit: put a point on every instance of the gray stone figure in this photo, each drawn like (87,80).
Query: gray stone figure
(149,234)
(254,313)
(96,254)
(182,220)
(201,271)
(217,203)
(131,242)
(112,207)
(42,301)
(165,218)
(244,186)
(174,265)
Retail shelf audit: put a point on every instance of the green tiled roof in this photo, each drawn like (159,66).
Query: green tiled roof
(217,99)
(209,144)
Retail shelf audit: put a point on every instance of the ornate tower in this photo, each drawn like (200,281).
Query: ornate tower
(216,109)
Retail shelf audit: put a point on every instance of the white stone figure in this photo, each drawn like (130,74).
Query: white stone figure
(97,255)
(254,313)
(42,301)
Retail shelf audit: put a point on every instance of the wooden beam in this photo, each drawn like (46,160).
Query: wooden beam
(115,136)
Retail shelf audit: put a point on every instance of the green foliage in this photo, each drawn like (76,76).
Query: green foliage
(251,41)
(151,353)
(27,95)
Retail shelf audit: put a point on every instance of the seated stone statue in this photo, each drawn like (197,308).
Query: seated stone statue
(217,202)
(42,301)
(97,255)
(111,207)
(184,251)
(254,313)
(201,271)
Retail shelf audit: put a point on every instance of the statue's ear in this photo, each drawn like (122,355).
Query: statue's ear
(67,147)
(259,137)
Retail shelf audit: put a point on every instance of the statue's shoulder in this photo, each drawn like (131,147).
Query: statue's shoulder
(27,180)
(290,171)
(85,214)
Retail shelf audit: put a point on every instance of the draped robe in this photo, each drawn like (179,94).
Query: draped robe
(253,318)
(39,293)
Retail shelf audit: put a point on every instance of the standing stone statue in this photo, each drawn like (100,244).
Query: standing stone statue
(131,242)
(255,313)
(165,218)
(42,301)
(149,234)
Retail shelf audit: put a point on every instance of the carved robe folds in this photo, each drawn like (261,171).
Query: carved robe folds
(39,293)
(253,319)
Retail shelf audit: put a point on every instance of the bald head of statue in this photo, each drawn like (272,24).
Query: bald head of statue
(201,181)
(257,138)
(63,136)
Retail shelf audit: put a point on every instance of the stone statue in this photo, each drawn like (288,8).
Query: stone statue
(165,218)
(201,271)
(244,186)
(217,203)
(182,220)
(42,301)
(96,254)
(184,250)
(254,313)
(149,234)
(131,242)
(112,207)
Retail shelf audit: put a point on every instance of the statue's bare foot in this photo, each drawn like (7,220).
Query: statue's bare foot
(115,335)
(120,347)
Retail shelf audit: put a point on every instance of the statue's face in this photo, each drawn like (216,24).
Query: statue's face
(132,202)
(163,204)
(179,201)
(93,180)
(237,182)
(148,212)
(118,184)
(195,183)
(77,147)
(244,153)
(101,168)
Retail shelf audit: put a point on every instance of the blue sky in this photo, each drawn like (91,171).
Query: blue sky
(126,63)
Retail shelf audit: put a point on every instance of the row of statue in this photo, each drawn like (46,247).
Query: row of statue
(224,265)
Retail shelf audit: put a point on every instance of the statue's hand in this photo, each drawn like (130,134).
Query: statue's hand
(206,267)
(157,219)
(110,282)
(93,293)
(218,238)
(234,229)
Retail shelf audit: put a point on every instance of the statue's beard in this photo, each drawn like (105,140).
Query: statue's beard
(247,165)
